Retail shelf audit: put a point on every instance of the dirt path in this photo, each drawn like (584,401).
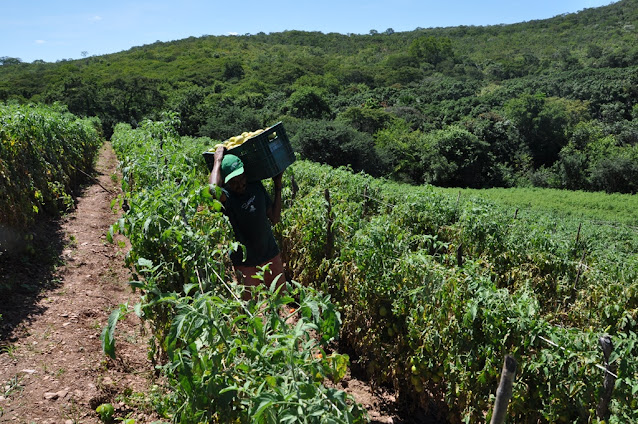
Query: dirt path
(52,369)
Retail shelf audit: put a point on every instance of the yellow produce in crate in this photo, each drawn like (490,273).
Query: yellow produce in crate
(268,153)
(238,140)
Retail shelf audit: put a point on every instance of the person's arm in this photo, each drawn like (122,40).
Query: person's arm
(215,177)
(274,212)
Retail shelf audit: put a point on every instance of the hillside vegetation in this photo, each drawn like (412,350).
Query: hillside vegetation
(548,103)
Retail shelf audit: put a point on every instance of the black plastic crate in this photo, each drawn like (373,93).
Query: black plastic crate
(264,155)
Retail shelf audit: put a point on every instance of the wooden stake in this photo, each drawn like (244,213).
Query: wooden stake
(578,234)
(329,234)
(504,392)
(602,410)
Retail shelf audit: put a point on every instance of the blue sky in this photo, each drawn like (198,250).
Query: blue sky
(52,30)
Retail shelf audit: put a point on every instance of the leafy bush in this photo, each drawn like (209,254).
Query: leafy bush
(455,157)
(45,152)
(337,144)
(309,103)
(615,175)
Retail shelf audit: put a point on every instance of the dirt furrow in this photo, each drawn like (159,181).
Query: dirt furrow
(52,369)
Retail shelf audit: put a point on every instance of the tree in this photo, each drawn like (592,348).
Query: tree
(615,175)
(225,121)
(454,157)
(233,69)
(6,60)
(80,96)
(542,125)
(309,103)
(400,152)
(128,100)
(336,144)
(431,49)
(366,119)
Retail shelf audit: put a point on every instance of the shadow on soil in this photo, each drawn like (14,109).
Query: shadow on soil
(27,272)
(28,264)
(403,410)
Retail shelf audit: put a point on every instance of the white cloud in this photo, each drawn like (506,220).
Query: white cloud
(40,41)
(95,18)
(233,33)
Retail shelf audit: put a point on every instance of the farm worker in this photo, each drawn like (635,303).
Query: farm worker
(251,213)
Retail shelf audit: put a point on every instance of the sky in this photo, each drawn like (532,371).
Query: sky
(53,30)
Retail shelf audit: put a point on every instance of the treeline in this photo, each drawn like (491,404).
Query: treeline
(547,103)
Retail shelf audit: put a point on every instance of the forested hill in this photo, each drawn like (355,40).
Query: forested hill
(548,102)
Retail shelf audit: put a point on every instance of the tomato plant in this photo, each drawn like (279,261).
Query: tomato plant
(226,360)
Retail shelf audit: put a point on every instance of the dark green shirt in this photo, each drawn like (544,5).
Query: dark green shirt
(252,228)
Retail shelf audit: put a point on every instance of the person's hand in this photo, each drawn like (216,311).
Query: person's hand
(277,180)
(219,152)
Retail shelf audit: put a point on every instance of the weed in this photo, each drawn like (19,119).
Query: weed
(10,350)
(73,412)
(11,387)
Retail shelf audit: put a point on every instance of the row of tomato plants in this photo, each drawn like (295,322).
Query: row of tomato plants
(225,360)
(435,290)
(45,151)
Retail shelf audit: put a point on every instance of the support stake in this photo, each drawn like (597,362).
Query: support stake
(602,410)
(330,239)
(504,392)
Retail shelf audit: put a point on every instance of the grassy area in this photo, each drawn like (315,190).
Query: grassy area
(589,206)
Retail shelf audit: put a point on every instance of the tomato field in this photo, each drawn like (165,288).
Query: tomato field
(44,151)
(427,289)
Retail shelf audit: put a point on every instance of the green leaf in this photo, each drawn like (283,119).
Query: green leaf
(258,325)
(144,263)
(109,235)
(137,284)
(339,366)
(217,205)
(108,340)
(106,411)
(264,401)
(189,287)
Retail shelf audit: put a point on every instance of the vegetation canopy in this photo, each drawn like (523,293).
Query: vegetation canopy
(547,103)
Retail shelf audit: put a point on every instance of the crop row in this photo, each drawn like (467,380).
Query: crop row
(44,153)
(436,289)
(432,289)
(225,360)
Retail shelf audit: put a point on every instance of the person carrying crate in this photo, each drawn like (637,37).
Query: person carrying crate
(251,213)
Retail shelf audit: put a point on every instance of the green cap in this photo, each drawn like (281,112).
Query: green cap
(231,167)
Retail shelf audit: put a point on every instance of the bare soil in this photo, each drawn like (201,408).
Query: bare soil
(52,368)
